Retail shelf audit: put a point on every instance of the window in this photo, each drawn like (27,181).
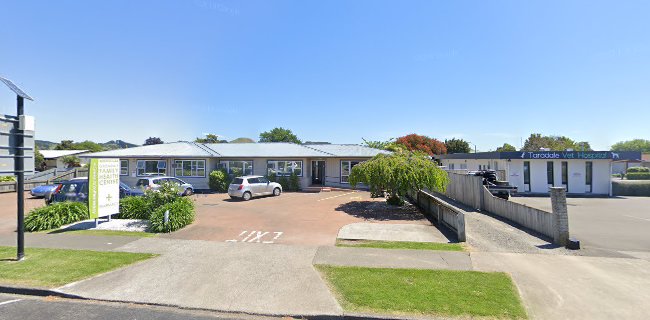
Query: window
(253,180)
(549,173)
(526,172)
(346,168)
(589,173)
(124,167)
(284,167)
(189,168)
(451,166)
(463,166)
(151,167)
(237,167)
(565,173)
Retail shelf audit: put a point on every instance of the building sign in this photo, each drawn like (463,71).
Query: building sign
(572,155)
(104,187)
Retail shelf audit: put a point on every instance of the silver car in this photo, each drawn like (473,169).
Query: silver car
(154,182)
(247,187)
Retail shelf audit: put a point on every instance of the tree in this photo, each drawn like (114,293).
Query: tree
(152,141)
(381,145)
(65,145)
(399,173)
(632,145)
(39,160)
(279,135)
(415,142)
(454,145)
(210,138)
(71,161)
(243,140)
(536,142)
(506,148)
(88,145)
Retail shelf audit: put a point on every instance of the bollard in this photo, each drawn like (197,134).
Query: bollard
(560,216)
(166,217)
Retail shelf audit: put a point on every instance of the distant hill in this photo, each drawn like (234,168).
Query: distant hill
(110,145)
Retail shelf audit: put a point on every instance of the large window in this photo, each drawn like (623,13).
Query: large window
(189,168)
(549,173)
(346,168)
(526,172)
(237,167)
(124,167)
(284,167)
(151,167)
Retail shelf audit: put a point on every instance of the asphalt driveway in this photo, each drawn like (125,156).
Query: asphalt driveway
(292,218)
(610,224)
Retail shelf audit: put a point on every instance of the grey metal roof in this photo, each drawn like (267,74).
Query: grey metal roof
(347,150)
(174,149)
(264,150)
(51,154)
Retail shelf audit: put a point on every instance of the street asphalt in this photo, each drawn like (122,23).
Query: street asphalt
(14,307)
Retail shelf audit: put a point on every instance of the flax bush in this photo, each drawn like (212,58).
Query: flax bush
(56,215)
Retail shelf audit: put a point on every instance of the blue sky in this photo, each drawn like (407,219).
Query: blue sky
(486,71)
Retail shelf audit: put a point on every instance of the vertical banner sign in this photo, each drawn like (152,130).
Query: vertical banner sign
(104,187)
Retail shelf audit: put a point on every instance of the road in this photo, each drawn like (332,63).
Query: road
(36,308)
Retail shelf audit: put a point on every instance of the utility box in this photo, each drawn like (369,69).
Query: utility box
(26,123)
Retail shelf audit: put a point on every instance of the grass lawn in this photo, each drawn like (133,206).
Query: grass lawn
(400,245)
(429,292)
(56,267)
(107,233)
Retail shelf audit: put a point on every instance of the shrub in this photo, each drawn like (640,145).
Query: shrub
(284,182)
(638,169)
(181,213)
(631,188)
(165,194)
(135,208)
(294,183)
(219,180)
(56,215)
(7,178)
(272,177)
(395,200)
(638,176)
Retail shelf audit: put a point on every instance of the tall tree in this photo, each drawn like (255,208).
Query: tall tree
(506,148)
(632,145)
(152,141)
(65,145)
(454,145)
(415,142)
(537,141)
(210,138)
(279,135)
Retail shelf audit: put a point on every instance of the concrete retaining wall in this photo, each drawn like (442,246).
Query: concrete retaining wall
(465,189)
(442,212)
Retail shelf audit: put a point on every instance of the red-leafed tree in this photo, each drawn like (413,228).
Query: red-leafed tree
(416,142)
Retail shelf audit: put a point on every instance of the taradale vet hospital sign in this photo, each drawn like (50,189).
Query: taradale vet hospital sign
(569,155)
(104,187)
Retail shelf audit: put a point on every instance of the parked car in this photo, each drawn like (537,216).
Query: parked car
(77,190)
(41,191)
(247,187)
(48,195)
(154,182)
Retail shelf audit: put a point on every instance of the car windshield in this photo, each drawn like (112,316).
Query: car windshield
(237,181)
(142,183)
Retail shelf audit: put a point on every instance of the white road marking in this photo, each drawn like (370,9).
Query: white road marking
(340,195)
(257,236)
(644,219)
(10,301)
(277,235)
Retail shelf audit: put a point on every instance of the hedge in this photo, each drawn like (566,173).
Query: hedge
(219,180)
(181,213)
(638,169)
(135,208)
(638,176)
(631,188)
(56,215)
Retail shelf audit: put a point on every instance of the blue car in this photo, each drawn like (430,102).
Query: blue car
(41,191)
(77,190)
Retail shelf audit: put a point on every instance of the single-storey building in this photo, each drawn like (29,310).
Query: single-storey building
(581,172)
(315,165)
(54,158)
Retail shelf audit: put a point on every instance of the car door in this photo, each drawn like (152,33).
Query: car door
(265,186)
(254,185)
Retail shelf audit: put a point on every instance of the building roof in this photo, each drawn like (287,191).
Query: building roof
(53,154)
(239,150)
(347,150)
(173,149)
(548,155)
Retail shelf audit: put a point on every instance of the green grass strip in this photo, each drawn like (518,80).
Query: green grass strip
(425,292)
(400,245)
(56,267)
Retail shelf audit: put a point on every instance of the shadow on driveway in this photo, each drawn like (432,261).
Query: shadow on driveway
(380,211)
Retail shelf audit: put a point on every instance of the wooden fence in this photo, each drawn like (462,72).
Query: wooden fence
(10,186)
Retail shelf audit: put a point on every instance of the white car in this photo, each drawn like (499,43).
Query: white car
(247,187)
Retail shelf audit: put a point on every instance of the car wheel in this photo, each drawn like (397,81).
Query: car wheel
(188,192)
(276,192)
(247,196)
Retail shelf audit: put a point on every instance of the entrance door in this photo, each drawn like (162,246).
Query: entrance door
(317,172)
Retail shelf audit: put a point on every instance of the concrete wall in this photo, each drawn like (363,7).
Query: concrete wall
(465,189)
(441,212)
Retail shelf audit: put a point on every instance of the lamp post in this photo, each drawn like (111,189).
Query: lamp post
(20,126)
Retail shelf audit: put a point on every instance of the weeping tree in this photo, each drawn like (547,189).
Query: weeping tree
(397,173)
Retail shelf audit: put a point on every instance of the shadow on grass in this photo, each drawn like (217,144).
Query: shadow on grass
(380,211)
